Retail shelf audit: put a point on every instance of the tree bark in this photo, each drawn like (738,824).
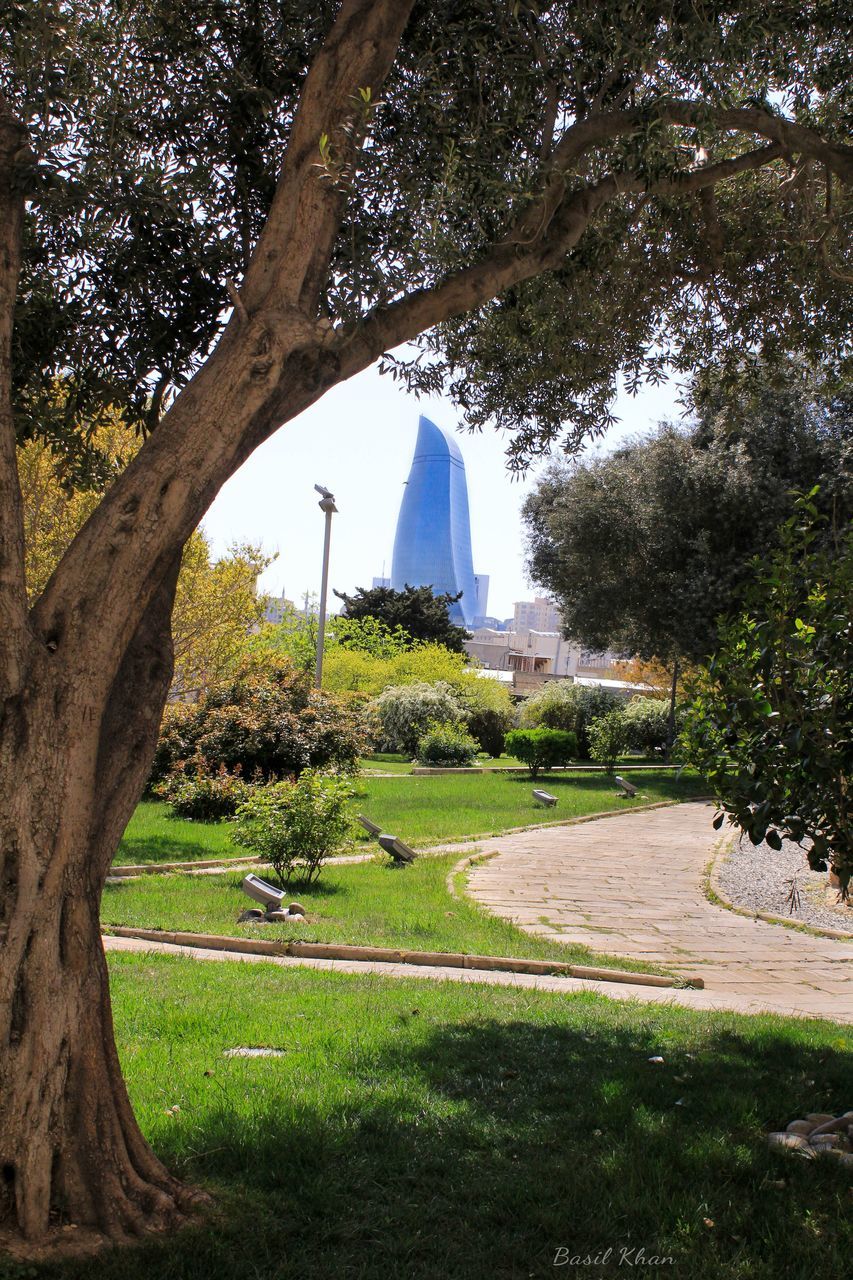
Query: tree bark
(71,1151)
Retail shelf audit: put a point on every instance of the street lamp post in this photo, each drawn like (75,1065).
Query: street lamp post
(326,505)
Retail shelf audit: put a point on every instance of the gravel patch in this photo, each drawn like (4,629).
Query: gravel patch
(759,878)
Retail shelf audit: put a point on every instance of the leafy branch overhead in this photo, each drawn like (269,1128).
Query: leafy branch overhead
(681,172)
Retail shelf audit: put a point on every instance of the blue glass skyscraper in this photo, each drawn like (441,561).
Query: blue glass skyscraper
(432,546)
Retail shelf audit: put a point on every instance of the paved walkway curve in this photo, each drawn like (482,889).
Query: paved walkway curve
(631,885)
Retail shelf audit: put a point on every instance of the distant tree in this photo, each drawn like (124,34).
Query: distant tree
(416,610)
(771,726)
(645,548)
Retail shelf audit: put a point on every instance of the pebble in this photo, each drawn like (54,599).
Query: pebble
(792,1141)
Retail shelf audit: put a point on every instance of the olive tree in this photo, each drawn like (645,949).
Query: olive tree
(212,214)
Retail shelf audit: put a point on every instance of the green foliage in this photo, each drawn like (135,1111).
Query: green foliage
(406,712)
(202,794)
(561,704)
(415,611)
(608,738)
(447,744)
(644,548)
(647,724)
(771,726)
(141,213)
(297,825)
(266,720)
(542,748)
(489,711)
(369,635)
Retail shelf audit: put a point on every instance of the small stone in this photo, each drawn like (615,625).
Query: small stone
(819,1117)
(791,1141)
(278,916)
(803,1127)
(845,1157)
(250,915)
(824,1140)
(832,1125)
(657,1060)
(296,909)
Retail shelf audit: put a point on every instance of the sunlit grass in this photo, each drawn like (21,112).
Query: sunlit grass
(368,904)
(415,1131)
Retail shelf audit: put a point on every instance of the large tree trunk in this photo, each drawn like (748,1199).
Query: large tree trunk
(70,1149)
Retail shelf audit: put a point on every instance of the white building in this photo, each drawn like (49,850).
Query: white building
(540,614)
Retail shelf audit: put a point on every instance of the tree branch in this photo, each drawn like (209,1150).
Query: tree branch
(15,162)
(508,264)
(291,259)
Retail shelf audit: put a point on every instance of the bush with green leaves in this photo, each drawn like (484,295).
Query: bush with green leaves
(542,748)
(297,824)
(405,713)
(608,738)
(447,745)
(267,720)
(203,795)
(489,712)
(647,723)
(562,704)
(771,723)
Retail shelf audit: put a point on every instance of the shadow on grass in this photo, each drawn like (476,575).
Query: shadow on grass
(145,849)
(480,1148)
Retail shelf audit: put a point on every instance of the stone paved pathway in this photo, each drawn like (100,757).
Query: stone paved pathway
(630,885)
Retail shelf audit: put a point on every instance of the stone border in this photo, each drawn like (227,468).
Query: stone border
(155,868)
(387,955)
(717,896)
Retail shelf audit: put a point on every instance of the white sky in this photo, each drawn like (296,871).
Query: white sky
(358,441)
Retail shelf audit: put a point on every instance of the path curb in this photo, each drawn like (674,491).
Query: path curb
(711,884)
(387,955)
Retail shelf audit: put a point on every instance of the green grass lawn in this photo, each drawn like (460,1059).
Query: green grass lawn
(428,810)
(371,904)
(421,1131)
(420,810)
(154,834)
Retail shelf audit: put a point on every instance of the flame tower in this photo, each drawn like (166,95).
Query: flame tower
(432,546)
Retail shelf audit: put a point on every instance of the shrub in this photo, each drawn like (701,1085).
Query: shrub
(488,711)
(541,748)
(296,825)
(447,744)
(562,704)
(608,738)
(204,796)
(407,711)
(266,720)
(647,723)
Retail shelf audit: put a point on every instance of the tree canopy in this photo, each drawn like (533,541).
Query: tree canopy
(415,610)
(644,549)
(678,170)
